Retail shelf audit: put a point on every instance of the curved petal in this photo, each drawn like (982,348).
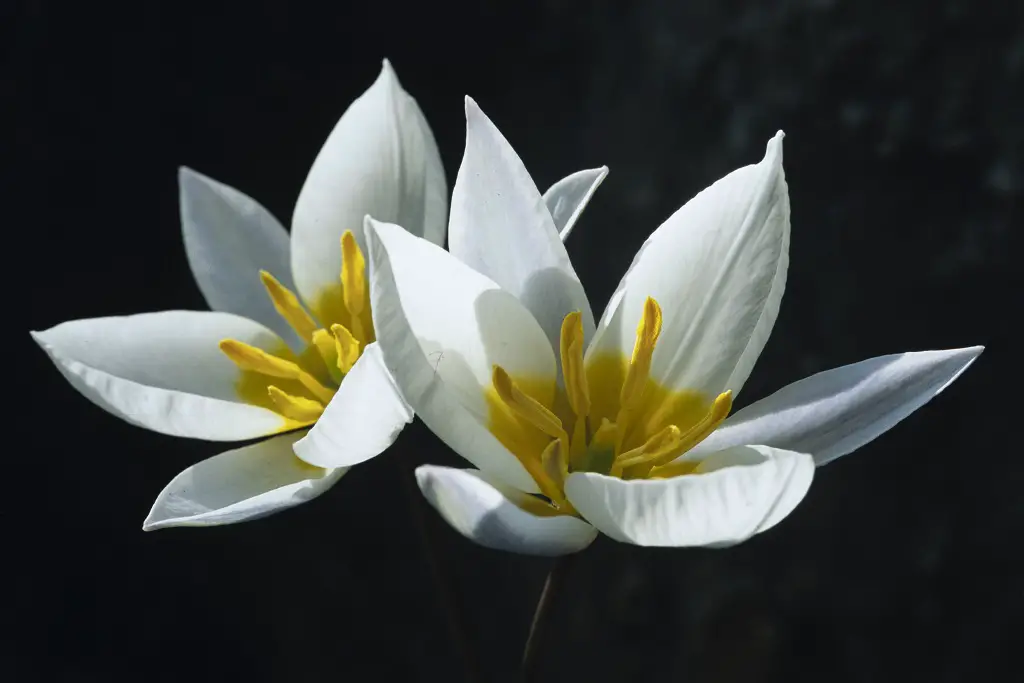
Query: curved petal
(837,411)
(239,485)
(164,371)
(495,516)
(739,494)
(441,327)
(365,416)
(567,198)
(229,238)
(381,159)
(718,268)
(501,227)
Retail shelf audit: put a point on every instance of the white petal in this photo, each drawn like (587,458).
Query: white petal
(239,485)
(365,416)
(441,327)
(501,227)
(488,513)
(753,490)
(381,160)
(718,268)
(567,198)
(837,411)
(164,371)
(229,238)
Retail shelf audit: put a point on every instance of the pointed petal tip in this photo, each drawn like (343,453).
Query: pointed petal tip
(472,108)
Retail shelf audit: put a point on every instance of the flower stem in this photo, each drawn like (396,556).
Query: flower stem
(445,594)
(552,587)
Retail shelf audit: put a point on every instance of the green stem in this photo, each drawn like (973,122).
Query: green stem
(445,594)
(542,615)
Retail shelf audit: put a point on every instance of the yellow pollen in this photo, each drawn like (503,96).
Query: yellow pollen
(288,307)
(346,346)
(251,358)
(700,431)
(353,280)
(295,407)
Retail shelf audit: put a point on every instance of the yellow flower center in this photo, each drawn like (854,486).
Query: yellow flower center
(299,386)
(609,416)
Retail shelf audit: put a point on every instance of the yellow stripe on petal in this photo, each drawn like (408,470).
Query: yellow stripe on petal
(288,307)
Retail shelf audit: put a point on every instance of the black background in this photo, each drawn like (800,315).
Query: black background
(905,161)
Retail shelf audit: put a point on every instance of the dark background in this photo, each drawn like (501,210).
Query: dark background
(905,160)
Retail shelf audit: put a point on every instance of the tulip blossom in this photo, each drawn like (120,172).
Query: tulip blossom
(624,426)
(290,337)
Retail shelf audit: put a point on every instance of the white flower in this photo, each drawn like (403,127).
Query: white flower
(620,428)
(289,352)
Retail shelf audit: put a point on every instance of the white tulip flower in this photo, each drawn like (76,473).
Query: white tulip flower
(622,427)
(288,351)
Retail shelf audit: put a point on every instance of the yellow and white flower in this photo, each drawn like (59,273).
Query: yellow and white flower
(621,427)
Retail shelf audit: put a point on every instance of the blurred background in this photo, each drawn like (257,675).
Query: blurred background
(905,162)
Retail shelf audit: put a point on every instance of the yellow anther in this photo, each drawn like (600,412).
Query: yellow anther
(674,469)
(353,281)
(528,408)
(254,359)
(328,350)
(288,306)
(664,441)
(554,464)
(647,333)
(295,407)
(573,372)
(346,346)
(700,431)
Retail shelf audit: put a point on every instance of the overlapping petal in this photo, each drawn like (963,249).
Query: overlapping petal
(229,238)
(164,371)
(365,416)
(239,485)
(567,198)
(740,495)
(837,411)
(501,227)
(441,327)
(497,516)
(381,159)
(718,268)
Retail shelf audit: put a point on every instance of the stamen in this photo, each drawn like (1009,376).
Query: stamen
(647,333)
(328,350)
(664,441)
(353,280)
(254,359)
(698,432)
(346,347)
(295,407)
(571,347)
(555,467)
(528,408)
(673,469)
(600,454)
(288,306)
